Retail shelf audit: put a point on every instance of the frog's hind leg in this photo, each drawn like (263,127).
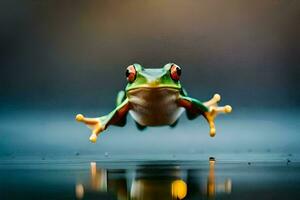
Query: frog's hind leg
(140,127)
(174,124)
(191,115)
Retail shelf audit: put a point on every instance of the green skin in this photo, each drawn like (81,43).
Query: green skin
(154,99)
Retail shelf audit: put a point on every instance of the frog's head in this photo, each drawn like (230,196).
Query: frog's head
(166,77)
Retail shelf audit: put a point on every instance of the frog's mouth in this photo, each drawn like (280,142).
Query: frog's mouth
(148,94)
(155,87)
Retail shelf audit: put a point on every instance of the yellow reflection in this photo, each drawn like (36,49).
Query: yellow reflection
(93,169)
(179,189)
(228,186)
(212,186)
(98,178)
(150,188)
(79,190)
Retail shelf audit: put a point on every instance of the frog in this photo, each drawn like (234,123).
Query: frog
(155,97)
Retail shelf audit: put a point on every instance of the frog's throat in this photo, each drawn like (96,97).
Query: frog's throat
(154,106)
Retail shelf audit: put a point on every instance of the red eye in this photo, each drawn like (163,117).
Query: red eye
(175,72)
(130,73)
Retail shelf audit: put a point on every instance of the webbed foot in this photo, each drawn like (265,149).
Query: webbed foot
(93,123)
(214,110)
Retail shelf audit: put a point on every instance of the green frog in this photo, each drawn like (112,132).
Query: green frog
(155,97)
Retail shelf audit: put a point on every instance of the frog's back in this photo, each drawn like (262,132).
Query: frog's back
(154,106)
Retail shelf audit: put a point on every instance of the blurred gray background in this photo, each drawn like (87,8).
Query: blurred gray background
(60,58)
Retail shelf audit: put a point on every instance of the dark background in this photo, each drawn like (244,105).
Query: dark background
(59,58)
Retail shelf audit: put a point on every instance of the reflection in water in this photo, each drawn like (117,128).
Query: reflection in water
(212,186)
(79,191)
(154,182)
(158,182)
(179,189)
(98,178)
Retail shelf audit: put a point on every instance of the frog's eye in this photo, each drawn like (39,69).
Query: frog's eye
(130,73)
(175,72)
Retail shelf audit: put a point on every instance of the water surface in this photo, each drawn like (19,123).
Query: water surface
(206,178)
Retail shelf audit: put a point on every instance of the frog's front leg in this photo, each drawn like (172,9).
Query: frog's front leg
(214,110)
(99,124)
(208,109)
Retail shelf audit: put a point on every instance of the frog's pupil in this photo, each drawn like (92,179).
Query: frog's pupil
(178,71)
(127,72)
